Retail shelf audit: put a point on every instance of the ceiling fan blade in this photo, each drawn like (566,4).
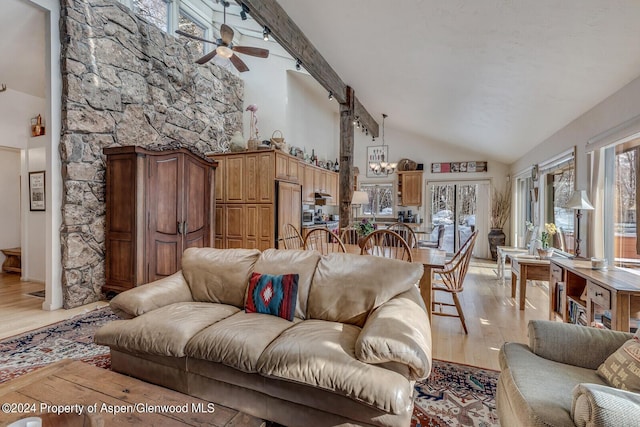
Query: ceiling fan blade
(239,63)
(226,34)
(191,36)
(208,57)
(253,51)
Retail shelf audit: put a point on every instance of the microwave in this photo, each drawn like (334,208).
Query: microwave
(307,217)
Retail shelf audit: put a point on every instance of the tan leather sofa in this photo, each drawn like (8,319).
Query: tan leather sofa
(553,381)
(359,340)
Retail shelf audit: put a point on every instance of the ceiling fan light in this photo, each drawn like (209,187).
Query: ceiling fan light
(224,51)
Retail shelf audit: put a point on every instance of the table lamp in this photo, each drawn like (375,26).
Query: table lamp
(359,198)
(579,201)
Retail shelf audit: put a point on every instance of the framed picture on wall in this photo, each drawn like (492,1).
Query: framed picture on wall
(36,191)
(376,154)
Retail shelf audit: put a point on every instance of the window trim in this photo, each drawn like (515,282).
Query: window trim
(393,195)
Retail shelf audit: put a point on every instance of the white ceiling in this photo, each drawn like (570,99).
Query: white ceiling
(496,76)
(22,46)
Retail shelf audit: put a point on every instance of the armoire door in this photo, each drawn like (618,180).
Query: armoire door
(195,227)
(165,207)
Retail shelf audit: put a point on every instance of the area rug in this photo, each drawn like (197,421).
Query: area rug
(453,395)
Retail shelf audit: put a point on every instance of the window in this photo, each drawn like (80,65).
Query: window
(153,11)
(622,200)
(190,25)
(381,201)
(559,187)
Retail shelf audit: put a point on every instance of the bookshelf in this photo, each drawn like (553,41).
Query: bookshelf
(601,298)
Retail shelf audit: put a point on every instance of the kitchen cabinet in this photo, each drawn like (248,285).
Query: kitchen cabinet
(332,188)
(410,188)
(320,180)
(308,189)
(252,216)
(157,205)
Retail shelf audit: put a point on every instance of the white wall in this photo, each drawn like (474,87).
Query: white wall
(16,111)
(609,115)
(10,196)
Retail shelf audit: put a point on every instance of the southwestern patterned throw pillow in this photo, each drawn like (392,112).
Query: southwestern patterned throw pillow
(270,294)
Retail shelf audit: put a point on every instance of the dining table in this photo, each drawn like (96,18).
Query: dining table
(430,258)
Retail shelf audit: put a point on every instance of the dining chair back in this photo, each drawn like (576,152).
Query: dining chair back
(438,243)
(405,232)
(450,279)
(324,241)
(290,237)
(388,244)
(349,236)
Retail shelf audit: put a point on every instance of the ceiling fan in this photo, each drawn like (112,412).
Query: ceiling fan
(226,48)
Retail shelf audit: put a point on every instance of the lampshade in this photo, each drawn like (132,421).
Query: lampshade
(579,200)
(360,198)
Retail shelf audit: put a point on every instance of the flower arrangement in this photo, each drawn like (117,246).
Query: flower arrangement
(549,230)
(529,225)
(364,227)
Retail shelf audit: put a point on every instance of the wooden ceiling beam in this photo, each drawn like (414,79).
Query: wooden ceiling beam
(269,13)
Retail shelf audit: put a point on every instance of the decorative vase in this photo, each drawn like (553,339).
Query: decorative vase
(545,253)
(496,238)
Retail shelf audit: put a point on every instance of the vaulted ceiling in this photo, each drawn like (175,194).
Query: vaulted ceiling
(498,77)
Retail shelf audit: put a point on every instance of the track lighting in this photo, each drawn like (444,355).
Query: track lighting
(265,34)
(298,64)
(330,96)
(243,12)
(358,125)
(355,120)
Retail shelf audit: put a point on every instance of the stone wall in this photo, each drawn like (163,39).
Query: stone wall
(125,82)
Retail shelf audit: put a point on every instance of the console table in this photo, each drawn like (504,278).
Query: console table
(12,262)
(579,294)
(526,267)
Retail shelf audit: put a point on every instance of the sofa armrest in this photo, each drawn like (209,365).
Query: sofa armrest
(598,405)
(142,299)
(398,331)
(574,344)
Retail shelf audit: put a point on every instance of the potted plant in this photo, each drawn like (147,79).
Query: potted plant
(545,239)
(363,229)
(500,211)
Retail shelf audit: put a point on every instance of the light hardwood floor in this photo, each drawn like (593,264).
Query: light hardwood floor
(492,315)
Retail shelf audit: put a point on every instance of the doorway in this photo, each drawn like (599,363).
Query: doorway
(461,207)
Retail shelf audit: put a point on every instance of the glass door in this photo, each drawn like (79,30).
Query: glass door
(454,205)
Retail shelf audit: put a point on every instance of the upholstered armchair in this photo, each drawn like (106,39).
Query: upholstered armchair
(554,381)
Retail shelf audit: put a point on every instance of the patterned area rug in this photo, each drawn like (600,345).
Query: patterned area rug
(69,339)
(454,394)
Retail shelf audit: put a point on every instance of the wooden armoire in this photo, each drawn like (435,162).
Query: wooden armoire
(158,203)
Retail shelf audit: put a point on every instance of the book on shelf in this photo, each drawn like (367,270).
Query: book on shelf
(558,297)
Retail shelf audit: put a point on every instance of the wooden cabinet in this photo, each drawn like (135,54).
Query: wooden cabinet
(578,294)
(308,189)
(157,205)
(410,188)
(249,215)
(320,180)
(332,188)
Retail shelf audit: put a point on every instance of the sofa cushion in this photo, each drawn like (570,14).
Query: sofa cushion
(165,331)
(538,400)
(237,341)
(272,294)
(347,287)
(219,275)
(398,331)
(622,369)
(322,354)
(303,263)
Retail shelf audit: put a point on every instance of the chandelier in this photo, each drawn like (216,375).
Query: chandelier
(382,166)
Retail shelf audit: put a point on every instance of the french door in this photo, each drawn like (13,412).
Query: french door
(462,207)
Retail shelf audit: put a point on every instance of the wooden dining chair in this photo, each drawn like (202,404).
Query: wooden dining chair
(324,241)
(436,244)
(388,244)
(450,279)
(290,237)
(349,236)
(405,232)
